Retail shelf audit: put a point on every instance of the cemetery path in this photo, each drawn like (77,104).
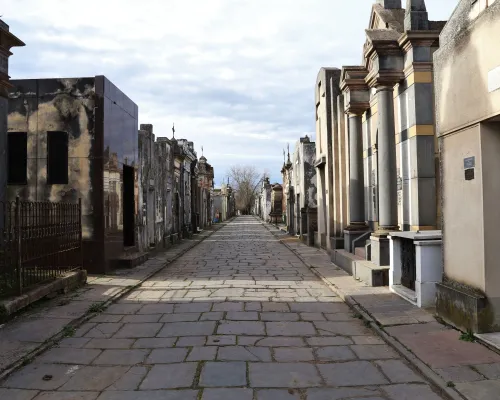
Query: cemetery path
(237,317)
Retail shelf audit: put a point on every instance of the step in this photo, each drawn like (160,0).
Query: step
(129,260)
(360,252)
(361,269)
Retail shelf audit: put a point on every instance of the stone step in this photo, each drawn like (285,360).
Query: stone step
(129,260)
(360,252)
(363,270)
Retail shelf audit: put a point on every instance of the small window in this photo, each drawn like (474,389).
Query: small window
(17,158)
(57,158)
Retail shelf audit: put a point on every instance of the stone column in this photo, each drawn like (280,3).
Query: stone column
(356,184)
(387,172)
(357,224)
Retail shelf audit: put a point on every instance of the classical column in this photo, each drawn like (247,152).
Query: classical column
(387,172)
(356,183)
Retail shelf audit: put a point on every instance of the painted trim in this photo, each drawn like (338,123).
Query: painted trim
(423,228)
(421,130)
(419,77)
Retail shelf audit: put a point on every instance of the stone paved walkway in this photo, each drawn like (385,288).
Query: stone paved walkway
(237,317)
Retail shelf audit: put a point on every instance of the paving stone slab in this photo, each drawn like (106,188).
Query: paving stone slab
(334,353)
(154,343)
(242,316)
(103,330)
(181,317)
(66,396)
(374,352)
(461,373)
(59,355)
(223,374)
(170,376)
(283,375)
(109,343)
(278,394)
(411,392)
(150,395)
(158,308)
(207,353)
(190,341)
(76,343)
(17,394)
(241,328)
(221,340)
(344,393)
(228,306)
(203,328)
(142,330)
(167,356)
(279,316)
(352,328)
(293,354)
(244,353)
(94,378)
(490,371)
(139,318)
(351,373)
(192,307)
(286,328)
(398,372)
(328,341)
(123,309)
(130,380)
(228,394)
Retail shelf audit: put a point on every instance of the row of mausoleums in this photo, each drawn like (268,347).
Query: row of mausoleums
(65,140)
(401,186)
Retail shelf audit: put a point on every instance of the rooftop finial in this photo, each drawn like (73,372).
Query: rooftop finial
(288,151)
(283,156)
(173,131)
(202,151)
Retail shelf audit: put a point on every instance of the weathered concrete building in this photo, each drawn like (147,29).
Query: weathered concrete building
(76,138)
(287,197)
(385,156)
(304,183)
(467,75)
(156,162)
(326,92)
(185,160)
(7,41)
(205,183)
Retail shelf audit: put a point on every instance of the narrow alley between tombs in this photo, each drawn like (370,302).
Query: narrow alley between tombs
(237,317)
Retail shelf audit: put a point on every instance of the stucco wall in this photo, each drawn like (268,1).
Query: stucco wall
(467,54)
(463,209)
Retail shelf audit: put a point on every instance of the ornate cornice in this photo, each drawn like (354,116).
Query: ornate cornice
(411,39)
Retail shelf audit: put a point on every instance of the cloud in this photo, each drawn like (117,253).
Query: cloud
(236,77)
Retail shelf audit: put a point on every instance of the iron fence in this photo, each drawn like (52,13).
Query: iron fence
(39,241)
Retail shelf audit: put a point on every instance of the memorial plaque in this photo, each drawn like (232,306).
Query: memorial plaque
(469,162)
(469,174)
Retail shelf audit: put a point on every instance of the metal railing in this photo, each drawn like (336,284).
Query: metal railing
(39,241)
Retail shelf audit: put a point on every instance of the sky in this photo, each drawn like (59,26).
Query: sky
(235,76)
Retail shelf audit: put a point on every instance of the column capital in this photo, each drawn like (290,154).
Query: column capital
(356,91)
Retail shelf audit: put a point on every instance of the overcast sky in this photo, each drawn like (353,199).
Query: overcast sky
(236,76)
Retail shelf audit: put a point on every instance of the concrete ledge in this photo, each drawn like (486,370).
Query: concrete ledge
(129,260)
(366,271)
(61,284)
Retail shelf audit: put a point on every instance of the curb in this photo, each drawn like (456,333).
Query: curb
(51,341)
(420,366)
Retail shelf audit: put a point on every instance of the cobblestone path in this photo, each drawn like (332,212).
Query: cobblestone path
(237,317)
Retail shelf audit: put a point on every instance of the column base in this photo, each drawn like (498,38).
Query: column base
(380,249)
(351,233)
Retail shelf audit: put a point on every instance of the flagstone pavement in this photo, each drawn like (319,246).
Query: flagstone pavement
(237,317)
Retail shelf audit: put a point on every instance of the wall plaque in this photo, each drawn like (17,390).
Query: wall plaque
(469,162)
(469,174)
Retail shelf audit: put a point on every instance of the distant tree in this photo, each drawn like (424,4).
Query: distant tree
(245,181)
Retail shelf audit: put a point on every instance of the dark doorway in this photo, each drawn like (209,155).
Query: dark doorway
(128,206)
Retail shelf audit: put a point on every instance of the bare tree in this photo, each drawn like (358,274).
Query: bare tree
(245,181)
